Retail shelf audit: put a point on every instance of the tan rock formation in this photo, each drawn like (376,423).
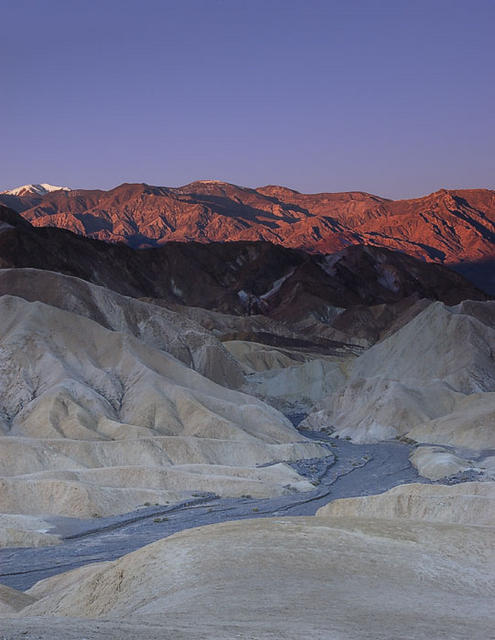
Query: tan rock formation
(335,575)
(96,421)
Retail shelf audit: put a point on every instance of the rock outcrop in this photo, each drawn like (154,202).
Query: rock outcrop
(468,503)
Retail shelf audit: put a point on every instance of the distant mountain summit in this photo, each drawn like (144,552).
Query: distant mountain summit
(453,227)
(34,189)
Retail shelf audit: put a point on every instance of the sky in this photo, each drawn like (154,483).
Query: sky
(392,97)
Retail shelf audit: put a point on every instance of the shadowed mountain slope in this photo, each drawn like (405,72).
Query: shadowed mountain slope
(239,278)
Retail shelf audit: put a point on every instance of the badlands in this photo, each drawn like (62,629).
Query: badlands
(416,562)
(312,456)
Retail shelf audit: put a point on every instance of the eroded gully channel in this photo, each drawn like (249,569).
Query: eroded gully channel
(349,470)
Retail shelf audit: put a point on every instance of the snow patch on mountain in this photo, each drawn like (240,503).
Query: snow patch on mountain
(34,189)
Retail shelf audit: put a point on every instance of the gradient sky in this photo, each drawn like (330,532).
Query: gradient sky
(391,97)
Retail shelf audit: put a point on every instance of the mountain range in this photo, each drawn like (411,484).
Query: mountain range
(453,227)
(243,277)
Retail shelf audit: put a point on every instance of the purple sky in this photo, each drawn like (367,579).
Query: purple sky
(392,97)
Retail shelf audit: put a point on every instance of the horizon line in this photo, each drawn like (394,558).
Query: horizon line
(233,184)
